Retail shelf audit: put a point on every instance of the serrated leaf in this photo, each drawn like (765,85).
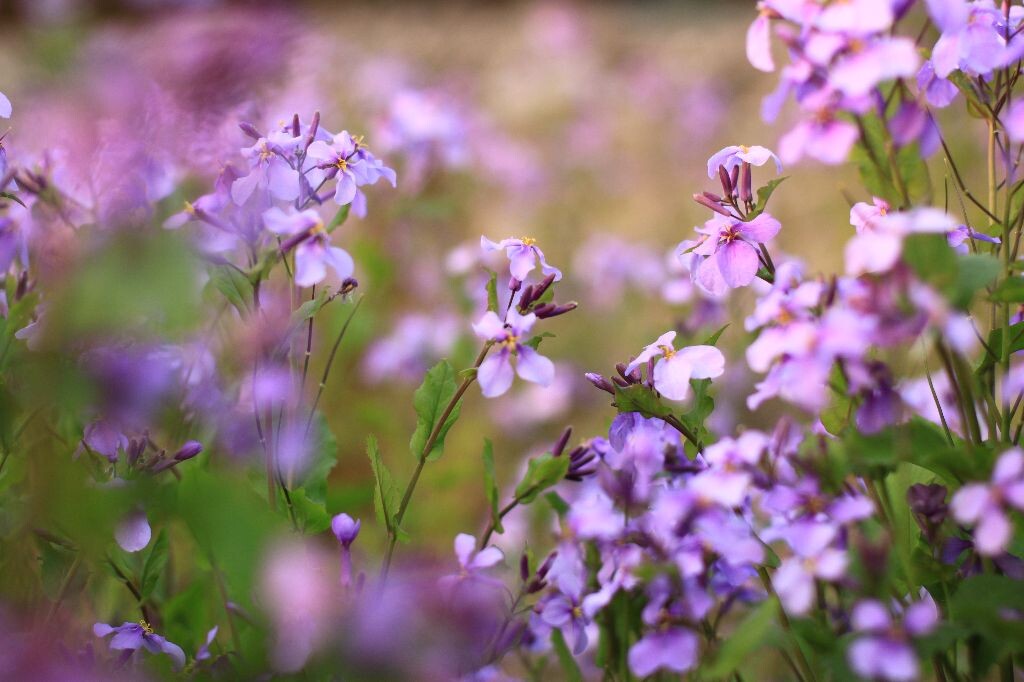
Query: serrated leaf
(491,486)
(541,473)
(234,285)
(492,292)
(154,566)
(640,398)
(430,400)
(386,496)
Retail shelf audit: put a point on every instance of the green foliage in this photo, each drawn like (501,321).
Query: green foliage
(570,669)
(757,630)
(957,277)
(541,473)
(153,568)
(323,455)
(491,486)
(234,285)
(1010,290)
(492,291)
(430,400)
(764,193)
(988,607)
(386,496)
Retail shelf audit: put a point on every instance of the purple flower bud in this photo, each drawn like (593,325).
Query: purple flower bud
(514,284)
(543,286)
(528,296)
(314,126)
(524,567)
(188,450)
(707,202)
(562,440)
(551,310)
(134,450)
(734,177)
(928,503)
(22,289)
(296,126)
(621,382)
(600,382)
(745,191)
(345,528)
(542,572)
(349,285)
(250,130)
(723,176)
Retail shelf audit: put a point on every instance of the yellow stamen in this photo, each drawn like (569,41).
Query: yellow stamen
(146,627)
(528,241)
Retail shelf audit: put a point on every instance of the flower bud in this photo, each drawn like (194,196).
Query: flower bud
(707,202)
(188,450)
(524,567)
(600,382)
(551,310)
(562,440)
(345,528)
(726,181)
(348,285)
(514,284)
(296,125)
(250,130)
(745,190)
(314,126)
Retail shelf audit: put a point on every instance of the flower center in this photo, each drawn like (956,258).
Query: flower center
(146,627)
(189,208)
(577,612)
(729,234)
(667,351)
(265,153)
(511,341)
(744,148)
(528,241)
(342,164)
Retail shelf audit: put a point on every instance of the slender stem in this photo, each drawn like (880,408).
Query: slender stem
(682,428)
(422,459)
(219,579)
(330,363)
(64,586)
(501,514)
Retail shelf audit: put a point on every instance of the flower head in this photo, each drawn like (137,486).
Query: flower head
(130,637)
(523,254)
(986,505)
(730,251)
(496,372)
(675,368)
(735,155)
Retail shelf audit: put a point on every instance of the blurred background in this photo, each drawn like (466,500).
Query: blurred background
(584,125)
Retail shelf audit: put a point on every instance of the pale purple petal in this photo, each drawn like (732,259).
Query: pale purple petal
(346,189)
(737,262)
(921,617)
(759,46)
(522,260)
(282,180)
(870,615)
(487,557)
(490,327)
(309,263)
(243,187)
(674,649)
(1010,466)
(464,546)
(495,374)
(102,629)
(993,533)
(969,502)
(761,229)
(5,106)
(341,261)
(672,377)
(134,533)
(534,367)
(706,362)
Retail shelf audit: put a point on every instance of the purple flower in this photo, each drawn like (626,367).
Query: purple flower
(129,637)
(495,373)
(352,164)
(731,255)
(736,155)
(313,252)
(345,528)
(269,169)
(675,368)
(821,136)
(674,649)
(958,237)
(472,564)
(938,91)
(986,506)
(879,242)
(134,533)
(884,652)
(970,40)
(523,254)
(814,558)
(759,42)
(204,651)
(571,614)
(882,59)
(5,106)
(1014,121)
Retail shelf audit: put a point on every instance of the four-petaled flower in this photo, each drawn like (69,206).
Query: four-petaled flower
(735,155)
(985,505)
(884,651)
(523,254)
(348,160)
(129,637)
(269,169)
(313,252)
(674,370)
(495,373)
(472,563)
(731,258)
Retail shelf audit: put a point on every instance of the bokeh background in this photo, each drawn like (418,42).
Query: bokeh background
(584,125)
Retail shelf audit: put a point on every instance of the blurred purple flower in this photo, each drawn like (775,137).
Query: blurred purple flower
(986,506)
(884,652)
(736,155)
(134,533)
(130,637)
(269,169)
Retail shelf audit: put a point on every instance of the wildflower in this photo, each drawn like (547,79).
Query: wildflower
(523,254)
(346,529)
(204,651)
(986,506)
(5,106)
(352,164)
(884,651)
(730,249)
(814,557)
(736,155)
(269,169)
(672,648)
(472,563)
(673,371)
(495,373)
(313,249)
(130,637)
(970,40)
(879,242)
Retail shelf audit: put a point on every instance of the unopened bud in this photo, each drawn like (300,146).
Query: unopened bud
(600,382)
(348,285)
(745,191)
(296,126)
(527,297)
(551,310)
(524,567)
(188,450)
(314,126)
(346,529)
(250,130)
(727,185)
(705,201)
(734,178)
(561,442)
(514,284)
(542,572)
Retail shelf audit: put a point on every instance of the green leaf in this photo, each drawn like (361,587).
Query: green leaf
(492,292)
(1010,290)
(311,515)
(560,506)
(976,271)
(339,218)
(640,398)
(323,455)
(757,629)
(565,659)
(534,341)
(430,400)
(541,473)
(988,605)
(713,339)
(310,307)
(234,285)
(154,566)
(995,343)
(491,486)
(764,193)
(386,497)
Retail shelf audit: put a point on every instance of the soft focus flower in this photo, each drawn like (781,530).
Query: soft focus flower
(5,106)
(130,637)
(269,169)
(814,558)
(674,649)
(884,652)
(472,563)
(675,368)
(496,372)
(523,254)
(987,506)
(134,533)
(879,242)
(348,161)
(313,252)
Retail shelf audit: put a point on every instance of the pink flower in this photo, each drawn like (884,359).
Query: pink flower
(674,370)
(730,247)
